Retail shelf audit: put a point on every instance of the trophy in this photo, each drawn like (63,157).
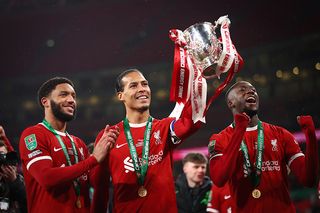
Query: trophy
(204,47)
(200,55)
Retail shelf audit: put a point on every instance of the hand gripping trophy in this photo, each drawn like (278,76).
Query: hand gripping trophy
(200,55)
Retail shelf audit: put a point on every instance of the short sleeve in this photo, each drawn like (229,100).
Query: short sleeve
(33,147)
(216,145)
(291,147)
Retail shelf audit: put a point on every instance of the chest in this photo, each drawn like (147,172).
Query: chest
(273,148)
(67,153)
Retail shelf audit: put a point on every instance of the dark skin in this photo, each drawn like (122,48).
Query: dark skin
(243,99)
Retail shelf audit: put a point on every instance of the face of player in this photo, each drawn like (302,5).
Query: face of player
(136,94)
(244,98)
(62,102)
(195,172)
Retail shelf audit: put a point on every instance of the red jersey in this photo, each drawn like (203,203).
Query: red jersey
(280,150)
(220,200)
(48,178)
(158,181)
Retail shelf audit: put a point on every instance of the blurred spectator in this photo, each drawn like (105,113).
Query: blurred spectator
(193,187)
(12,188)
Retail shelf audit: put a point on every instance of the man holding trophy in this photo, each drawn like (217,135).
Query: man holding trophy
(140,164)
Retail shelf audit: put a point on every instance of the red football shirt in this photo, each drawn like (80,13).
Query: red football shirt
(220,200)
(280,150)
(48,178)
(159,178)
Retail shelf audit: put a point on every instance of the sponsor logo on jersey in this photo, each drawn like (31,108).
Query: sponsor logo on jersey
(226,197)
(120,145)
(274,145)
(31,142)
(272,165)
(56,149)
(34,153)
(152,160)
(128,165)
(156,135)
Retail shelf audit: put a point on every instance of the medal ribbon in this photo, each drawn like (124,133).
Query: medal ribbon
(76,184)
(141,171)
(247,165)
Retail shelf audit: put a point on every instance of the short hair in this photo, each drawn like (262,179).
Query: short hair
(231,88)
(47,87)
(195,157)
(119,84)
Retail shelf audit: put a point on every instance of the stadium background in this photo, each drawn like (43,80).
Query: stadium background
(91,41)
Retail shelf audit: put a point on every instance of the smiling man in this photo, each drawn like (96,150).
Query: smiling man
(55,164)
(141,163)
(252,156)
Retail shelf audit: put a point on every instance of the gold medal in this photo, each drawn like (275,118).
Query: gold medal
(78,203)
(142,192)
(256,193)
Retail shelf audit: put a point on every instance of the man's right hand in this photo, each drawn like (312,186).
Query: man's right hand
(106,142)
(241,120)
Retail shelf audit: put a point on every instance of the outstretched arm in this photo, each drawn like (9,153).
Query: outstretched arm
(184,126)
(222,166)
(307,169)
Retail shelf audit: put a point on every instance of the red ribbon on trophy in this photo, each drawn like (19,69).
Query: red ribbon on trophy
(198,52)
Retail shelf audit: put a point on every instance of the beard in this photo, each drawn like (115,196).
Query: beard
(250,112)
(61,116)
(143,108)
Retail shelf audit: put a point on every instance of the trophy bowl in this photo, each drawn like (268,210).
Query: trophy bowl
(204,47)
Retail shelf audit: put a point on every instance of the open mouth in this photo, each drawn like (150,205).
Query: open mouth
(142,97)
(251,100)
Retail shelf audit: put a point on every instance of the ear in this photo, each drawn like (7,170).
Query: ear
(120,96)
(45,102)
(230,103)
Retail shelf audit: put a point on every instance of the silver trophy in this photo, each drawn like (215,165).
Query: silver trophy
(204,47)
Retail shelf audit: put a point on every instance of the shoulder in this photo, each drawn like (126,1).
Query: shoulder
(226,132)
(274,129)
(165,121)
(34,131)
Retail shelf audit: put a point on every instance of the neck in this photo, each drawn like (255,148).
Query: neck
(193,184)
(253,121)
(137,117)
(55,123)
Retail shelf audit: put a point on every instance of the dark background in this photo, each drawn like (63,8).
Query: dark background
(91,41)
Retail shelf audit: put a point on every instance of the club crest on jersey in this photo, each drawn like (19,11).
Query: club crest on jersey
(156,135)
(274,145)
(31,142)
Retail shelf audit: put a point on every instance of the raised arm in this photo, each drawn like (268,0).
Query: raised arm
(223,162)
(306,169)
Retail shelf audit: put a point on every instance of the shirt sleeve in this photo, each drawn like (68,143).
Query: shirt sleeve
(184,126)
(225,151)
(35,156)
(213,204)
(99,179)
(291,147)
